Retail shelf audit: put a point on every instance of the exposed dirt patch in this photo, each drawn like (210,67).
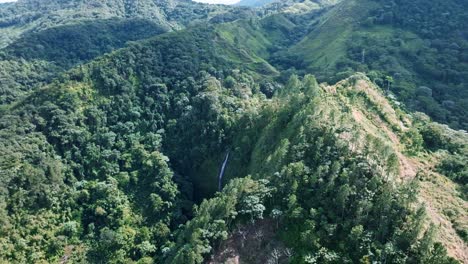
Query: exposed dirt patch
(447,211)
(358,116)
(409,167)
(252,243)
(379,99)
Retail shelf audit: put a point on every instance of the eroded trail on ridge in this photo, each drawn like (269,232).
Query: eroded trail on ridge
(436,193)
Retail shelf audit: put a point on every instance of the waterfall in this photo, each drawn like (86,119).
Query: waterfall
(221,173)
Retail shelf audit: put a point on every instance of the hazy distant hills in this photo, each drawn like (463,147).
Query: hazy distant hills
(255,3)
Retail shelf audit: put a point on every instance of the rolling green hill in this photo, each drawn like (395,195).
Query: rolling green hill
(37,58)
(50,37)
(405,40)
(27,16)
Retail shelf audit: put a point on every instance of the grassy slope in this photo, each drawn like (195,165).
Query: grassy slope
(332,51)
(325,45)
(389,124)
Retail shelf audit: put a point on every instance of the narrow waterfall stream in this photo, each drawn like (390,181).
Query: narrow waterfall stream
(221,173)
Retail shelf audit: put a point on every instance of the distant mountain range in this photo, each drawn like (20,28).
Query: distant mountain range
(255,3)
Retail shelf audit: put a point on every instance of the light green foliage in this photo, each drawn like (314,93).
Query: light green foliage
(413,141)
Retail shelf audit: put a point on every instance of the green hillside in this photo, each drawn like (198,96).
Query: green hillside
(422,47)
(26,16)
(53,36)
(165,87)
(168,131)
(37,58)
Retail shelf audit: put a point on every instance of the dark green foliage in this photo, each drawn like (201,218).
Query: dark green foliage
(18,76)
(31,15)
(37,58)
(437,58)
(98,136)
(69,45)
(435,137)
(46,38)
(413,141)
(455,167)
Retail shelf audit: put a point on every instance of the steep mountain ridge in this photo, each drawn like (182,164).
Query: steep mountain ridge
(52,51)
(391,125)
(363,119)
(30,15)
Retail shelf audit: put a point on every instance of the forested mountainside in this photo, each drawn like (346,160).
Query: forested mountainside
(35,15)
(125,143)
(37,58)
(45,38)
(416,49)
